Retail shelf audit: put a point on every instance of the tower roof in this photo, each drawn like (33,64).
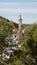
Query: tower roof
(20,17)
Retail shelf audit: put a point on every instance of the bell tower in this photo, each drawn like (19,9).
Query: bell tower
(20,24)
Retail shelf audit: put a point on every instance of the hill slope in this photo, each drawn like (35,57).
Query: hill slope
(9,22)
(15,25)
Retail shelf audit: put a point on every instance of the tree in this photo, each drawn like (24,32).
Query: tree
(30,43)
(27,54)
(5,31)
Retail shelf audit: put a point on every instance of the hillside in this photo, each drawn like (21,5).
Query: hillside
(15,25)
(9,22)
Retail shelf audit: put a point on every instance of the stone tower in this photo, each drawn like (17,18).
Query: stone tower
(20,24)
(20,27)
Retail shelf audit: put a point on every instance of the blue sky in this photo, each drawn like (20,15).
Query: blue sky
(18,0)
(11,9)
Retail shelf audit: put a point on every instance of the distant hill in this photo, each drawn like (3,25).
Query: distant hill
(25,25)
(13,23)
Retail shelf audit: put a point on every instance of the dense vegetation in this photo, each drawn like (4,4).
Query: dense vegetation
(27,54)
(5,31)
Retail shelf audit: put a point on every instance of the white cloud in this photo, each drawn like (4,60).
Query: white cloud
(29,21)
(18,10)
(9,7)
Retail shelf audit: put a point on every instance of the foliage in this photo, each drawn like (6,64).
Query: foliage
(30,44)
(5,31)
(27,54)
